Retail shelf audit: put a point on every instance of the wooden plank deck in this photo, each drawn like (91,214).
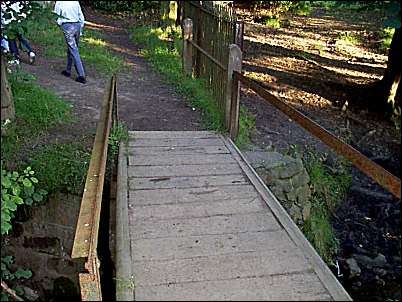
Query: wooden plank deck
(194,222)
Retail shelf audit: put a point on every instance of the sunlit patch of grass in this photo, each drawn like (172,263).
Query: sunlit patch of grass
(94,41)
(93,49)
(272,22)
(386,37)
(349,37)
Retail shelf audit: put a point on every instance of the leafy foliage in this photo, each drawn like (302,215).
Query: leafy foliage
(18,22)
(17,189)
(329,186)
(7,274)
(123,6)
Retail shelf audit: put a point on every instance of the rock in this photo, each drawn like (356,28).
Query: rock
(364,260)
(291,167)
(380,260)
(301,179)
(285,184)
(30,294)
(380,271)
(354,268)
(265,159)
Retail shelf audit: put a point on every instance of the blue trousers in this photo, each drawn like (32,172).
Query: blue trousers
(71,33)
(14,48)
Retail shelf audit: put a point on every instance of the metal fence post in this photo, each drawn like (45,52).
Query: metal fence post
(187,47)
(232,91)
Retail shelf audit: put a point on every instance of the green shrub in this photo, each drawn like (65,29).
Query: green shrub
(329,187)
(17,189)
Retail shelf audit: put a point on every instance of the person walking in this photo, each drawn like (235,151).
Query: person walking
(71,21)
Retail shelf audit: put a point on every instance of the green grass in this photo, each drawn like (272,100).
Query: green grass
(329,187)
(349,37)
(272,22)
(386,37)
(92,47)
(36,111)
(167,61)
(61,167)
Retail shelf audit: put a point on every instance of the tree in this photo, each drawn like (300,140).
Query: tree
(384,96)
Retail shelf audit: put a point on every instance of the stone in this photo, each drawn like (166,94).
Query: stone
(380,260)
(265,159)
(301,179)
(354,268)
(303,194)
(291,167)
(29,293)
(285,184)
(291,195)
(278,192)
(364,260)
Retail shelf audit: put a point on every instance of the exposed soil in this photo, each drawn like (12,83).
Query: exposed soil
(308,66)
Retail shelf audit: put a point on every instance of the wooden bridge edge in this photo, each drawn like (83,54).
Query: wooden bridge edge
(124,279)
(328,279)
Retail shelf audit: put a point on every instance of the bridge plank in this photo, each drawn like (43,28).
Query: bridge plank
(294,287)
(171,134)
(171,160)
(159,249)
(161,151)
(175,195)
(155,228)
(186,181)
(184,142)
(197,209)
(221,267)
(184,170)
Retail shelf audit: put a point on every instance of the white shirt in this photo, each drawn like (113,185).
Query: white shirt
(70,11)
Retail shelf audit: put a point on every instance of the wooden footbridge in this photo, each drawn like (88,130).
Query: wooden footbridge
(194,222)
(193,219)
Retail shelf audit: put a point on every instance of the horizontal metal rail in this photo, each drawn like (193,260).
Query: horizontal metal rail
(375,171)
(87,231)
(207,55)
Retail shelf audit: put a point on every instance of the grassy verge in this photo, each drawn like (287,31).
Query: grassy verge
(36,111)
(166,59)
(59,166)
(93,48)
(329,186)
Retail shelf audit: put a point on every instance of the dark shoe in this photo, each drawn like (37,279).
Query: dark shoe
(66,73)
(81,80)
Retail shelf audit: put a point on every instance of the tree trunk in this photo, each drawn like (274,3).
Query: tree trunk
(383,96)
(392,76)
(7,103)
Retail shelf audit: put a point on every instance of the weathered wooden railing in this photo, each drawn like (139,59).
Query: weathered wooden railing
(87,231)
(232,100)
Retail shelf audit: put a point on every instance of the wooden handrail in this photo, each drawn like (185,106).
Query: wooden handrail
(87,230)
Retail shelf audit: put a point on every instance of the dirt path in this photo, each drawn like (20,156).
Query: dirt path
(145,101)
